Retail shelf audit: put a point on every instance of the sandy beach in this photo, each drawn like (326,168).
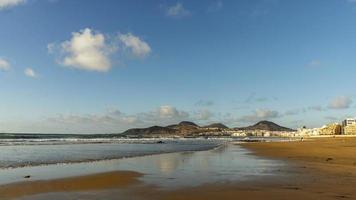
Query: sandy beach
(317,169)
(101,181)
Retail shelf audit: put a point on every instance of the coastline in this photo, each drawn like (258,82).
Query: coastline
(103,152)
(320,168)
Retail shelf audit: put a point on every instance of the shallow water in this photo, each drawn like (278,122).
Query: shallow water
(16,152)
(229,163)
(29,154)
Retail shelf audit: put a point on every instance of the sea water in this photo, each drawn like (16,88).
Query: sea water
(175,163)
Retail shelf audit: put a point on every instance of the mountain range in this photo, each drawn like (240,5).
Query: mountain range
(186,128)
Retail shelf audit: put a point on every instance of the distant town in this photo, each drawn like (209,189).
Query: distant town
(347,127)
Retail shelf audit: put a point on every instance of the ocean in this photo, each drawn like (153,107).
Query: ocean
(43,151)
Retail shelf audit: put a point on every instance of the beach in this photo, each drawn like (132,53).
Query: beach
(311,169)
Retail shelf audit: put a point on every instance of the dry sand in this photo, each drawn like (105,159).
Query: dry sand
(320,169)
(330,155)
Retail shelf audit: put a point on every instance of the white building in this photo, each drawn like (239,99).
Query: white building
(308,132)
(349,121)
(349,126)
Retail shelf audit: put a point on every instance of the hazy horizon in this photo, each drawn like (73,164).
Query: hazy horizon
(107,66)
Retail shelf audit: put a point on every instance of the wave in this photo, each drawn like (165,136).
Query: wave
(45,140)
(38,155)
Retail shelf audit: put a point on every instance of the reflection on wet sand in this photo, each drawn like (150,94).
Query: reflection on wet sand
(168,164)
(226,164)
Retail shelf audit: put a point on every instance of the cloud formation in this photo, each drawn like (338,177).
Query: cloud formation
(260,114)
(4,65)
(30,73)
(203,114)
(91,50)
(10,3)
(117,121)
(177,10)
(86,50)
(342,102)
(137,47)
(170,112)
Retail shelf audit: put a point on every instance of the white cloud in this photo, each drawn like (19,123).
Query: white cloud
(30,73)
(91,50)
(177,10)
(10,3)
(86,50)
(171,112)
(260,114)
(138,47)
(4,65)
(115,121)
(342,102)
(203,115)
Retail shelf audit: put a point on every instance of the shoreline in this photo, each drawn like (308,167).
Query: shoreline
(234,141)
(104,160)
(156,151)
(162,171)
(321,168)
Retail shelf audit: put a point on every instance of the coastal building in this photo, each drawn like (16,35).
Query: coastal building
(262,133)
(349,126)
(349,121)
(304,132)
(331,129)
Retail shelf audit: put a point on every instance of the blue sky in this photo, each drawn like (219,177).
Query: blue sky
(105,66)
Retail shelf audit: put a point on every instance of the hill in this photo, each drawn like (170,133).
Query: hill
(153,130)
(216,125)
(267,126)
(183,128)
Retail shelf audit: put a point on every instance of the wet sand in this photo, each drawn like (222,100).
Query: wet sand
(101,181)
(319,169)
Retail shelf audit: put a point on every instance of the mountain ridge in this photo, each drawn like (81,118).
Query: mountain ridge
(185,128)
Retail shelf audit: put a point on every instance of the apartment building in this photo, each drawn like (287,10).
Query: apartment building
(349,126)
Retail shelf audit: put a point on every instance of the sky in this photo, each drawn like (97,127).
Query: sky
(103,66)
